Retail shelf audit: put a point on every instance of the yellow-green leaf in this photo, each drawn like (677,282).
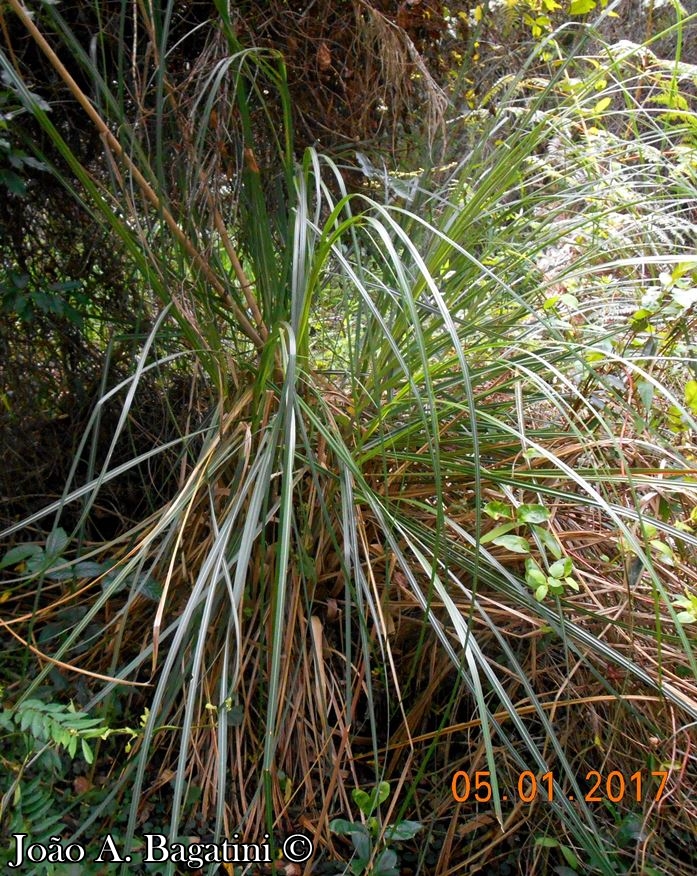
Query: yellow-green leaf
(691,395)
(580,7)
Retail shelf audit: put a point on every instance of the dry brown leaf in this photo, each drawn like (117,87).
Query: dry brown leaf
(324,57)
(332,609)
(250,161)
(81,785)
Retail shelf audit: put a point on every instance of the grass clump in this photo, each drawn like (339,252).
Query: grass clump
(432,531)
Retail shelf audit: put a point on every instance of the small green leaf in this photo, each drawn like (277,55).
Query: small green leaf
(62,737)
(25,719)
(532,514)
(541,592)
(547,842)
(236,716)
(38,728)
(89,569)
(496,510)
(649,530)
(362,800)
(561,568)
(689,602)
(569,856)
(641,319)
(515,543)
(531,453)
(361,843)
(60,572)
(37,562)
(675,420)
(19,553)
(497,531)
(56,542)
(549,540)
(571,301)
(686,617)
(646,392)
(367,802)
(386,864)
(13,183)
(535,576)
(602,105)
(665,551)
(342,827)
(150,588)
(383,790)
(405,830)
(685,297)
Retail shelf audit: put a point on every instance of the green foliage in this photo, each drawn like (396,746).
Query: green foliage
(14,162)
(34,734)
(648,533)
(48,560)
(531,516)
(52,722)
(688,604)
(30,808)
(43,744)
(371,842)
(38,559)
(56,299)
(569,856)
(539,16)
(558,578)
